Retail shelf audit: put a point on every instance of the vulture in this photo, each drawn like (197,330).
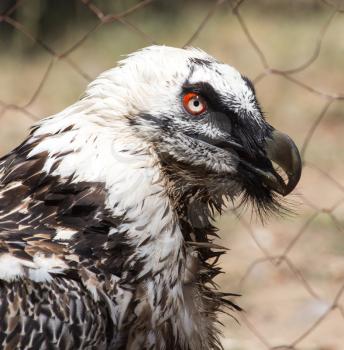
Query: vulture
(107,208)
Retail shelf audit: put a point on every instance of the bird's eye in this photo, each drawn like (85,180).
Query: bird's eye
(194,103)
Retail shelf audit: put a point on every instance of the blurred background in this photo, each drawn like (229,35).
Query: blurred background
(290,271)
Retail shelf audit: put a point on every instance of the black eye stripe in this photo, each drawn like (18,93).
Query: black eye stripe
(204,89)
(210,95)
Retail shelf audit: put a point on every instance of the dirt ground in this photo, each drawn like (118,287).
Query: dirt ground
(290,271)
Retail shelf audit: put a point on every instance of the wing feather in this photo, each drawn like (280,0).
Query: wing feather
(58,283)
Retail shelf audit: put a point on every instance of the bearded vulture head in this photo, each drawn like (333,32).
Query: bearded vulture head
(106,208)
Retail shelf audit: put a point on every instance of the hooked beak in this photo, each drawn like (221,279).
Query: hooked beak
(281,149)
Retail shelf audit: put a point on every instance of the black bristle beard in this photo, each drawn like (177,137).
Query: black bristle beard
(262,200)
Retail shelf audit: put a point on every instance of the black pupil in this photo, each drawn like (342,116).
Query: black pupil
(196,103)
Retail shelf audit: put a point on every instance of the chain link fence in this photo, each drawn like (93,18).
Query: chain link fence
(290,271)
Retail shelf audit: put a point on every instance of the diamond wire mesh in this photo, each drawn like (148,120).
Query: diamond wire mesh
(251,332)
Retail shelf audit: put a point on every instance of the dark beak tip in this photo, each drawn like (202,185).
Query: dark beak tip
(293,180)
(282,150)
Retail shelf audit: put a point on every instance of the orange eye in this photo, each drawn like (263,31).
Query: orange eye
(194,103)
